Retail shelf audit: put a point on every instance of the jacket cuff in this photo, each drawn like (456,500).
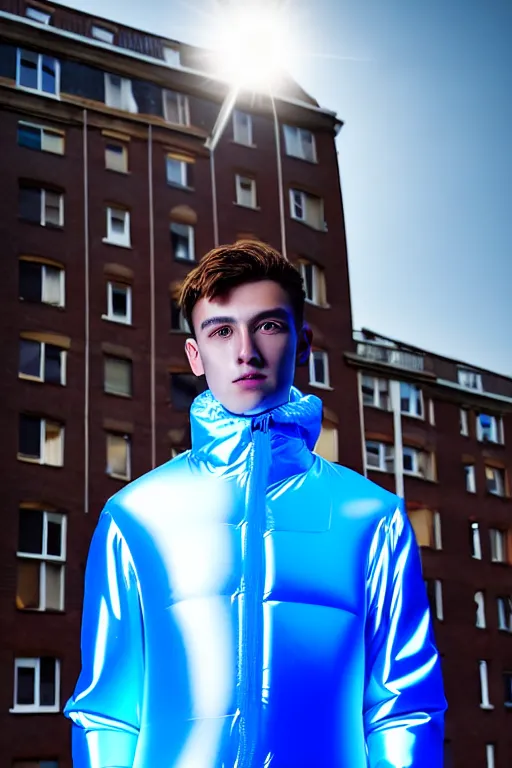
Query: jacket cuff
(103,748)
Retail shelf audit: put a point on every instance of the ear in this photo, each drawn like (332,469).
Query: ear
(304,341)
(194,357)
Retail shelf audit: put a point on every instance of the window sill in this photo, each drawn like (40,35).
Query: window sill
(247,207)
(184,187)
(116,170)
(487,706)
(412,416)
(184,261)
(43,303)
(26,377)
(117,394)
(117,244)
(33,710)
(116,320)
(377,407)
(54,96)
(118,477)
(319,385)
(316,304)
(304,159)
(243,144)
(417,476)
(28,460)
(52,227)
(321,230)
(380,469)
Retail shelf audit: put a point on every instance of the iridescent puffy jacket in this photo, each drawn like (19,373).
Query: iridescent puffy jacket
(251,605)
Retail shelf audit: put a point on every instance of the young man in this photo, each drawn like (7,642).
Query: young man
(249,604)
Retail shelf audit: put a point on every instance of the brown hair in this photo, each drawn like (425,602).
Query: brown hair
(245,261)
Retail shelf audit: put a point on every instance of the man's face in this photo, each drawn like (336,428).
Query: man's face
(247,346)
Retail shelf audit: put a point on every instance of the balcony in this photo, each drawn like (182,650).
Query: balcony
(399,358)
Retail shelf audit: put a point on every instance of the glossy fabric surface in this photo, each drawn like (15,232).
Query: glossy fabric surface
(250,605)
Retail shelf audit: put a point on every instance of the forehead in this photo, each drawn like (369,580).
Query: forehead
(244,301)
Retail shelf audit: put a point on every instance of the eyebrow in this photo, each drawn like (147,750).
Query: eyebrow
(278,312)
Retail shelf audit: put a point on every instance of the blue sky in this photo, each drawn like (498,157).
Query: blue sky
(425,93)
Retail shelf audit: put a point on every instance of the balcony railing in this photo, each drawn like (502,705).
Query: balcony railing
(397,357)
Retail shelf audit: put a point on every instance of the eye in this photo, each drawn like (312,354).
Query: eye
(271,326)
(223,332)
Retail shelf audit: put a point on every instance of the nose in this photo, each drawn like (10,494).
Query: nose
(248,352)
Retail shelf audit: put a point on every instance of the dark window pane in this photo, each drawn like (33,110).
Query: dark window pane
(30,358)
(184,389)
(52,364)
(49,84)
(308,280)
(30,281)
(27,584)
(26,682)
(30,436)
(47,682)
(180,241)
(119,304)
(54,539)
(30,204)
(319,370)
(28,69)
(30,531)
(29,136)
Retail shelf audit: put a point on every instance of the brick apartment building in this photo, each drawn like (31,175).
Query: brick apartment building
(439,433)
(105,204)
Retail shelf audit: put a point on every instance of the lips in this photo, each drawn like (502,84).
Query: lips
(251,377)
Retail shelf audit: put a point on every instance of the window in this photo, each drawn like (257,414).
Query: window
(118,227)
(375,392)
(504,613)
(41,556)
(179,171)
(41,283)
(411,400)
(319,368)
(474,541)
(307,208)
(118,456)
(427,527)
(489,428)
(38,72)
(41,206)
(469,472)
(431,413)
(435,598)
(490,754)
(299,142)
(480,610)
(507,682)
(469,379)
(100,33)
(380,456)
(176,109)
(41,440)
(246,191)
(119,303)
(172,56)
(184,389)
(484,686)
(418,462)
(119,93)
(498,545)
(36,15)
(42,362)
(463,422)
(327,444)
(178,321)
(40,137)
(242,128)
(36,685)
(116,157)
(117,376)
(314,282)
(495,481)
(182,241)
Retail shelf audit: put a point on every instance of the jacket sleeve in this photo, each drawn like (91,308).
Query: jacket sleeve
(105,707)
(404,700)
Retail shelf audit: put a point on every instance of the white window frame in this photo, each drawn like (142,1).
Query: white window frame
(480,620)
(127,441)
(103,34)
(324,357)
(123,240)
(44,277)
(417,454)
(318,287)
(183,171)
(191,238)
(498,545)
(464,422)
(124,99)
(43,558)
(43,193)
(431,412)
(240,181)
(299,200)
(39,87)
(503,610)
(484,686)
(239,130)
(438,593)
(182,107)
(380,392)
(490,756)
(416,395)
(45,132)
(42,361)
(35,664)
(470,477)
(42,17)
(469,379)
(127,320)
(476,541)
(496,429)
(43,455)
(436,526)
(294,139)
(386,456)
(498,479)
